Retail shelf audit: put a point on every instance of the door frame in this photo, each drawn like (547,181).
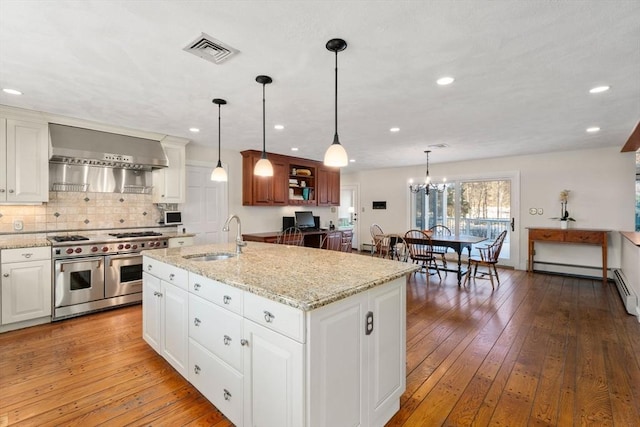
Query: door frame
(355,190)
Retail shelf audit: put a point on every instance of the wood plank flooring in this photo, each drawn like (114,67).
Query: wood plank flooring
(539,350)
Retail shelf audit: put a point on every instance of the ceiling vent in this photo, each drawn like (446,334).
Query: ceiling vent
(438,146)
(206,47)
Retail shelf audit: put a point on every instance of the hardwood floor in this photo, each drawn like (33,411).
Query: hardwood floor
(539,350)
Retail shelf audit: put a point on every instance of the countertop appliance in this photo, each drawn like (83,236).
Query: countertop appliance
(99,272)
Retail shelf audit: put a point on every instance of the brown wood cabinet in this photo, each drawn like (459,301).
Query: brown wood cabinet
(295,181)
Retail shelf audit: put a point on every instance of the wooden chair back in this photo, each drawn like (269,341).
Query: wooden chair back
(292,236)
(419,245)
(332,241)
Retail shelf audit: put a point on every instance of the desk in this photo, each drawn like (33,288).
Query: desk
(572,235)
(458,244)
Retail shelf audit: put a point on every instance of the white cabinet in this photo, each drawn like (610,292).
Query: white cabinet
(24,161)
(170,184)
(357,352)
(178,242)
(165,313)
(26,284)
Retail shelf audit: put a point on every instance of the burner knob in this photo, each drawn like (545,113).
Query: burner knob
(120,246)
(134,247)
(69,251)
(151,244)
(94,249)
(127,246)
(105,249)
(78,250)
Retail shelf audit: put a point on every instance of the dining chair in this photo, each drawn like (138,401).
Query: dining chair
(332,241)
(440,251)
(291,236)
(347,242)
(421,250)
(379,241)
(489,258)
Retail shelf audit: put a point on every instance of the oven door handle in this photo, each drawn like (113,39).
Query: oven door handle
(76,260)
(116,257)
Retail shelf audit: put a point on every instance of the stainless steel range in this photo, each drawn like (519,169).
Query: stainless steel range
(99,272)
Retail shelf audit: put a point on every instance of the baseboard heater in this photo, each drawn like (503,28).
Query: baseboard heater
(629,298)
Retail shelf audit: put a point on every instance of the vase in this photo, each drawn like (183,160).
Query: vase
(564,225)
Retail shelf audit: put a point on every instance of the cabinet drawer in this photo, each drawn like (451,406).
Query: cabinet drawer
(26,254)
(217,292)
(550,235)
(594,237)
(168,273)
(281,318)
(220,384)
(217,330)
(177,242)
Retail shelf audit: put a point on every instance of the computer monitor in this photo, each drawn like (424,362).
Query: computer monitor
(304,219)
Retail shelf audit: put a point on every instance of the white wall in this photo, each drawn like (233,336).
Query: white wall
(602,184)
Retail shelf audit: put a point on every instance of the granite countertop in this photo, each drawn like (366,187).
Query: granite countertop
(304,278)
(16,241)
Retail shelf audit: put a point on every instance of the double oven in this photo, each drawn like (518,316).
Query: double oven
(100,272)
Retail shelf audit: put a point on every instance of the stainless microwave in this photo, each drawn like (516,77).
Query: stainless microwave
(172,217)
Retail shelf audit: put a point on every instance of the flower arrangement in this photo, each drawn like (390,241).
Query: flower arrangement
(564,213)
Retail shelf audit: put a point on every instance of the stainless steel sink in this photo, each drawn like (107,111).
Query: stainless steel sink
(210,257)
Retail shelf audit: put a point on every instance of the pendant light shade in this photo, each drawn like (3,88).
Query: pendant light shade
(219,174)
(336,155)
(263,167)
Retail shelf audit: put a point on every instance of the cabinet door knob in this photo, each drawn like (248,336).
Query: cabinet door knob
(27,255)
(149,267)
(10,191)
(268,317)
(196,321)
(226,299)
(227,395)
(227,340)
(171,276)
(244,343)
(5,275)
(1,190)
(196,286)
(196,369)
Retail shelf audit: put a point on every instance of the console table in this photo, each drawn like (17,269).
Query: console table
(572,235)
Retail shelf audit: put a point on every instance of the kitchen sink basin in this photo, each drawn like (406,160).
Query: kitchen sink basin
(210,257)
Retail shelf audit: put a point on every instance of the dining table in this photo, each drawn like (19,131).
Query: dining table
(458,243)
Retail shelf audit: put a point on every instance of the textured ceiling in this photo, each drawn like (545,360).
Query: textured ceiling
(522,69)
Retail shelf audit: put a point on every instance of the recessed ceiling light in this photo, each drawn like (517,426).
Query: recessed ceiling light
(279,127)
(294,148)
(394,130)
(12,91)
(443,81)
(599,89)
(593,129)
(352,160)
(194,130)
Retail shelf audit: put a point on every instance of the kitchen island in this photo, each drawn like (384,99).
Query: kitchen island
(282,335)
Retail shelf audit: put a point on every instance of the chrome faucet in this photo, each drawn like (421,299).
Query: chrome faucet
(239,242)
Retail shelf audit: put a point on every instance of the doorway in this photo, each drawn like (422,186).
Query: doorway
(206,208)
(348,211)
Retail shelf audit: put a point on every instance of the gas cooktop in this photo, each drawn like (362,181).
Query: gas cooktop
(73,238)
(135,234)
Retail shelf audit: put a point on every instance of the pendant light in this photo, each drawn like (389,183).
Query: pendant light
(336,155)
(219,174)
(263,167)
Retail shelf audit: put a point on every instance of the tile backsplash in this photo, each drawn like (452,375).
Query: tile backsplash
(83,211)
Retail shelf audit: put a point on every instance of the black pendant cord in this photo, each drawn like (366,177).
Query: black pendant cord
(264,133)
(219,130)
(336,101)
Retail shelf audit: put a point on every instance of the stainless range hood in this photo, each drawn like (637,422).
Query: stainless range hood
(77,146)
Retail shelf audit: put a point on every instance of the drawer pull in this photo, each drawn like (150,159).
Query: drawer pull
(244,342)
(196,286)
(268,317)
(226,299)
(27,255)
(6,274)
(227,340)
(196,321)
(149,267)
(227,395)
(171,276)
(196,369)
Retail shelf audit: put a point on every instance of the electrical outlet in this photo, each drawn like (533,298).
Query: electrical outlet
(18,225)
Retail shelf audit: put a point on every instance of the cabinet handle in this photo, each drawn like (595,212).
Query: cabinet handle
(196,369)
(227,340)
(227,395)
(10,191)
(158,294)
(171,276)
(226,299)
(6,274)
(196,321)
(149,267)
(181,242)
(1,190)
(244,343)
(268,317)
(368,326)
(27,255)
(196,286)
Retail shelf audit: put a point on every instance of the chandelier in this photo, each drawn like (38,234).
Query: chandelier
(428,185)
